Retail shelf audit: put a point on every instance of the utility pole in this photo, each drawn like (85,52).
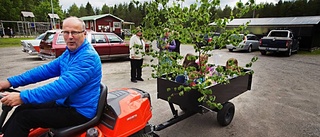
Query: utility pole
(253,13)
(53,20)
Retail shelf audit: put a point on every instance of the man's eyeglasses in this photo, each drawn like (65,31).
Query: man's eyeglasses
(73,33)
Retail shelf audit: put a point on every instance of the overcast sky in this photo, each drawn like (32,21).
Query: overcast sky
(98,3)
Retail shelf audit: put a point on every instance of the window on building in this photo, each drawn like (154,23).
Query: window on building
(91,25)
(116,24)
(86,23)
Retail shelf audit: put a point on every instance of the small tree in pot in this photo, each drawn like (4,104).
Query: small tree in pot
(189,24)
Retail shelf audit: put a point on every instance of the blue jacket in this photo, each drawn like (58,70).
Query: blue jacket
(78,84)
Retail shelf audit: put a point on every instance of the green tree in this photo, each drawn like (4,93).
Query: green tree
(121,10)
(74,10)
(226,11)
(89,9)
(8,10)
(42,10)
(313,6)
(189,23)
(26,5)
(97,11)
(106,9)
(114,11)
(266,11)
(82,11)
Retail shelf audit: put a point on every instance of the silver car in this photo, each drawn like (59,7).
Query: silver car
(249,43)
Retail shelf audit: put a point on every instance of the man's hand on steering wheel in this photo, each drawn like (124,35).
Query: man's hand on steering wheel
(11,98)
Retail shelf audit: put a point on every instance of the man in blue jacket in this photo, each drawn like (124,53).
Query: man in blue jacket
(71,99)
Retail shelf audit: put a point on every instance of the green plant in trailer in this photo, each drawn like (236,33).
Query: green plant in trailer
(188,24)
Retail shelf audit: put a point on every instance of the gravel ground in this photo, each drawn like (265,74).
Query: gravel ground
(283,102)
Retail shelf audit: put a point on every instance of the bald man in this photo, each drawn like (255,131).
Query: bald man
(70,100)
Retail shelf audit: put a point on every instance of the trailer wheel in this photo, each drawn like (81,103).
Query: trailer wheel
(143,135)
(225,115)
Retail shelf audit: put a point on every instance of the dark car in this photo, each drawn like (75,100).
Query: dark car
(279,41)
(108,45)
(207,38)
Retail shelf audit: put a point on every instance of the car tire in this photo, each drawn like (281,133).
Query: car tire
(289,52)
(297,49)
(263,52)
(225,115)
(250,49)
(230,50)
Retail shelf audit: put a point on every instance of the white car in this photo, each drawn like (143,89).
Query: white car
(32,46)
(249,43)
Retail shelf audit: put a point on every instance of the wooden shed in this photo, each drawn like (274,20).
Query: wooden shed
(103,23)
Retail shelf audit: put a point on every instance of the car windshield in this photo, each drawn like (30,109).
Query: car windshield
(251,37)
(49,37)
(279,34)
(41,36)
(236,37)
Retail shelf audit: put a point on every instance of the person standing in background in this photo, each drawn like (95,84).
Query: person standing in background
(164,44)
(11,33)
(137,47)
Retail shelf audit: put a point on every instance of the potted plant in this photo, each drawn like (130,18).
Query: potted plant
(189,24)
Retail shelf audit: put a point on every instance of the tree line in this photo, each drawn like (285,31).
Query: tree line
(134,11)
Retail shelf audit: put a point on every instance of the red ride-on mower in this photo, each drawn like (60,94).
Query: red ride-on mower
(121,113)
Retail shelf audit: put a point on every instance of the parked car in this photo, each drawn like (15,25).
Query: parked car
(32,46)
(208,38)
(248,42)
(108,45)
(279,41)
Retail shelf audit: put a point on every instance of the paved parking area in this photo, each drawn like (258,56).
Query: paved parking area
(284,100)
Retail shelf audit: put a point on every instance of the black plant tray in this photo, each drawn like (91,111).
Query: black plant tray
(189,101)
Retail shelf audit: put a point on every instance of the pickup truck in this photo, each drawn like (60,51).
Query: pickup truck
(279,41)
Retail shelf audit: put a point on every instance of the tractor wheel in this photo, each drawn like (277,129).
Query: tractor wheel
(225,115)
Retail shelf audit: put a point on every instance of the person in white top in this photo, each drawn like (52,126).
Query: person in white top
(137,47)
